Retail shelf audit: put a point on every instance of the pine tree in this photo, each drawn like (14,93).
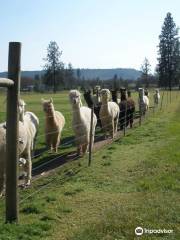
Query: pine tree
(169,54)
(69,77)
(145,68)
(54,68)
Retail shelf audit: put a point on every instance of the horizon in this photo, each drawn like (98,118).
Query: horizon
(91,34)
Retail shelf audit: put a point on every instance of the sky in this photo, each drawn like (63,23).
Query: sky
(91,33)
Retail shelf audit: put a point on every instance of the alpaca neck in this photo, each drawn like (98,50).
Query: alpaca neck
(105,104)
(50,117)
(77,112)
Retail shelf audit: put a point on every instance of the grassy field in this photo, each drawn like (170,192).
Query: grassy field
(132,182)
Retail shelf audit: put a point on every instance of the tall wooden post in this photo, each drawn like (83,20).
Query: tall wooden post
(91,135)
(12,134)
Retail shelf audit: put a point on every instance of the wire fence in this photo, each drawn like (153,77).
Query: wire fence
(99,136)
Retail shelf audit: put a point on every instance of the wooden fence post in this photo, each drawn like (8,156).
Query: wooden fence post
(91,135)
(12,133)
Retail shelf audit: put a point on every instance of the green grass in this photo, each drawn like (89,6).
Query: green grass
(132,182)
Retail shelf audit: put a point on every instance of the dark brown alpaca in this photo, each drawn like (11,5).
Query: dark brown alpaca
(130,110)
(127,109)
(89,101)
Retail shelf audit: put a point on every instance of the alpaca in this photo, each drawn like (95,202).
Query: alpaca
(96,96)
(130,110)
(143,101)
(31,123)
(23,139)
(54,123)
(127,109)
(109,114)
(81,122)
(114,94)
(156,97)
(123,108)
(89,100)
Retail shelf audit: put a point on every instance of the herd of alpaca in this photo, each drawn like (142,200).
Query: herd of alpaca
(107,114)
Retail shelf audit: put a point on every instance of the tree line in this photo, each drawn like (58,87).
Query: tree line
(58,76)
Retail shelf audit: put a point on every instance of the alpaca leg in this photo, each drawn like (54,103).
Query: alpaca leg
(116,124)
(112,129)
(48,142)
(121,120)
(79,150)
(131,120)
(56,141)
(84,148)
(28,169)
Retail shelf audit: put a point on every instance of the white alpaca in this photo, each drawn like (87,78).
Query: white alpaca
(81,122)
(143,101)
(23,138)
(31,124)
(32,119)
(54,124)
(109,113)
(156,97)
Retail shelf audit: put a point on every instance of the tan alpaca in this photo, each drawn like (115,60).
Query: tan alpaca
(54,123)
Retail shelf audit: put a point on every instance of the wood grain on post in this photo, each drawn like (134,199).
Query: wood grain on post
(12,134)
(91,135)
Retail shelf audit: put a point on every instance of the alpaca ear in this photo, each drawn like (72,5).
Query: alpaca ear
(51,100)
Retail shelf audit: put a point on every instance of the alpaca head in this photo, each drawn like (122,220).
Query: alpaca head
(105,94)
(75,98)
(21,106)
(123,92)
(48,106)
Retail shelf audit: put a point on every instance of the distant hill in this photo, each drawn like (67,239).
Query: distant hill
(103,74)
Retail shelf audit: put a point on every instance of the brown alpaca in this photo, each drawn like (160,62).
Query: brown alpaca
(54,123)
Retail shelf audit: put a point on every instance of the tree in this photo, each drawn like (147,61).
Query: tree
(54,68)
(169,53)
(69,77)
(115,81)
(145,68)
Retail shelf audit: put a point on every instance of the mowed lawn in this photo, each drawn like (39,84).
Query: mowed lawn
(132,182)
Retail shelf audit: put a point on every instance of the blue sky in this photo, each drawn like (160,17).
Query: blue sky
(91,33)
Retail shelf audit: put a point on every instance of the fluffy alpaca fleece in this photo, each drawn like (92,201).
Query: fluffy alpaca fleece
(143,101)
(81,122)
(109,114)
(156,97)
(54,123)
(31,123)
(89,100)
(23,138)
